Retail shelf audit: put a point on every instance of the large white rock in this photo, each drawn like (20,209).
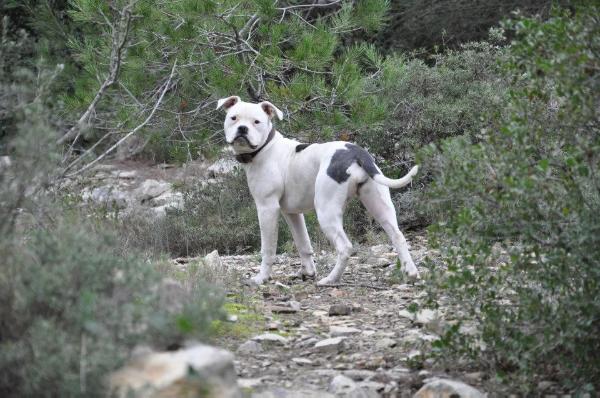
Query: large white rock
(106,195)
(222,166)
(334,344)
(425,317)
(5,162)
(444,388)
(151,189)
(213,260)
(169,198)
(430,320)
(270,338)
(250,347)
(343,386)
(167,374)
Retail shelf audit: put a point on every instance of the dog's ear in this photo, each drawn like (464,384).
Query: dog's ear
(228,102)
(271,110)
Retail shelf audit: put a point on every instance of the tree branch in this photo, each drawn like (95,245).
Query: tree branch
(132,132)
(119,38)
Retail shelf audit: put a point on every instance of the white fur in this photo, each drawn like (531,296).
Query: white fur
(284,181)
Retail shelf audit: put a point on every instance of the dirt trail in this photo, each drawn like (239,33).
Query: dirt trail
(361,330)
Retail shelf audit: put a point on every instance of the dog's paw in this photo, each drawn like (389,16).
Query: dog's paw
(412,274)
(327,281)
(302,274)
(256,280)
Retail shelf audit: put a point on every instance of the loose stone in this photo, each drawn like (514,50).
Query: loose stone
(340,309)
(334,344)
(270,338)
(336,331)
(448,388)
(250,347)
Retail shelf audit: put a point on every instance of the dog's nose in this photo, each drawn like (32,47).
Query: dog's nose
(242,130)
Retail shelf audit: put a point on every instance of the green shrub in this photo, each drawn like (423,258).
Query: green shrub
(517,213)
(428,104)
(72,307)
(72,310)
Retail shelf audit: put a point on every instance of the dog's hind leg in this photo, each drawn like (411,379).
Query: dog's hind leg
(376,198)
(329,204)
(302,241)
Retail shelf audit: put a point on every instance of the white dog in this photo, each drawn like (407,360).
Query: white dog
(291,178)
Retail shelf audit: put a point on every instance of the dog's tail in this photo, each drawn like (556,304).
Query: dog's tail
(400,182)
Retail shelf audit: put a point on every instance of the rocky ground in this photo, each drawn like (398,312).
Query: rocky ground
(127,186)
(289,337)
(358,339)
(371,336)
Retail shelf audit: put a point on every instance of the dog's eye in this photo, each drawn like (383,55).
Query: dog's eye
(233,117)
(256,121)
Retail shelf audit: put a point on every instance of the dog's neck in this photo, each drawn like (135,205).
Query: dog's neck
(247,157)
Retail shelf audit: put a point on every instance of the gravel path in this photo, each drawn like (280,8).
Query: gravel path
(358,339)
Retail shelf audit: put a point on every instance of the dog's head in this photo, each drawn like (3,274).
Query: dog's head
(247,125)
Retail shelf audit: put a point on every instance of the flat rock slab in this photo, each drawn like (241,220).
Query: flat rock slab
(270,338)
(444,388)
(337,331)
(291,307)
(334,344)
(302,361)
(284,393)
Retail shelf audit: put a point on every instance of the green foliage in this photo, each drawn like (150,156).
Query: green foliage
(73,309)
(288,55)
(517,212)
(430,103)
(71,306)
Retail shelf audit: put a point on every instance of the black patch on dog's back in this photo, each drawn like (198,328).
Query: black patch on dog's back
(343,158)
(301,147)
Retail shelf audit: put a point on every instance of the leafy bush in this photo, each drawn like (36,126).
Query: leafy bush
(72,311)
(517,212)
(71,307)
(430,103)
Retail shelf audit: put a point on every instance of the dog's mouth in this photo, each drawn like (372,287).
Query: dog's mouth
(242,140)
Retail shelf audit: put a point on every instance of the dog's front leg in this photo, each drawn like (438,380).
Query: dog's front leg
(268,215)
(302,241)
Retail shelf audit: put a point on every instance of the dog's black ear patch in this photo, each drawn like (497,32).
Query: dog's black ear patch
(301,147)
(343,158)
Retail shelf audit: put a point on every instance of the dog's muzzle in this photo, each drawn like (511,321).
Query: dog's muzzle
(242,140)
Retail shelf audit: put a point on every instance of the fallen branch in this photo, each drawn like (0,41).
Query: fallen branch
(119,38)
(355,285)
(132,132)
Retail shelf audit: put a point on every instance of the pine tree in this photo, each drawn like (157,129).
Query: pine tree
(289,53)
